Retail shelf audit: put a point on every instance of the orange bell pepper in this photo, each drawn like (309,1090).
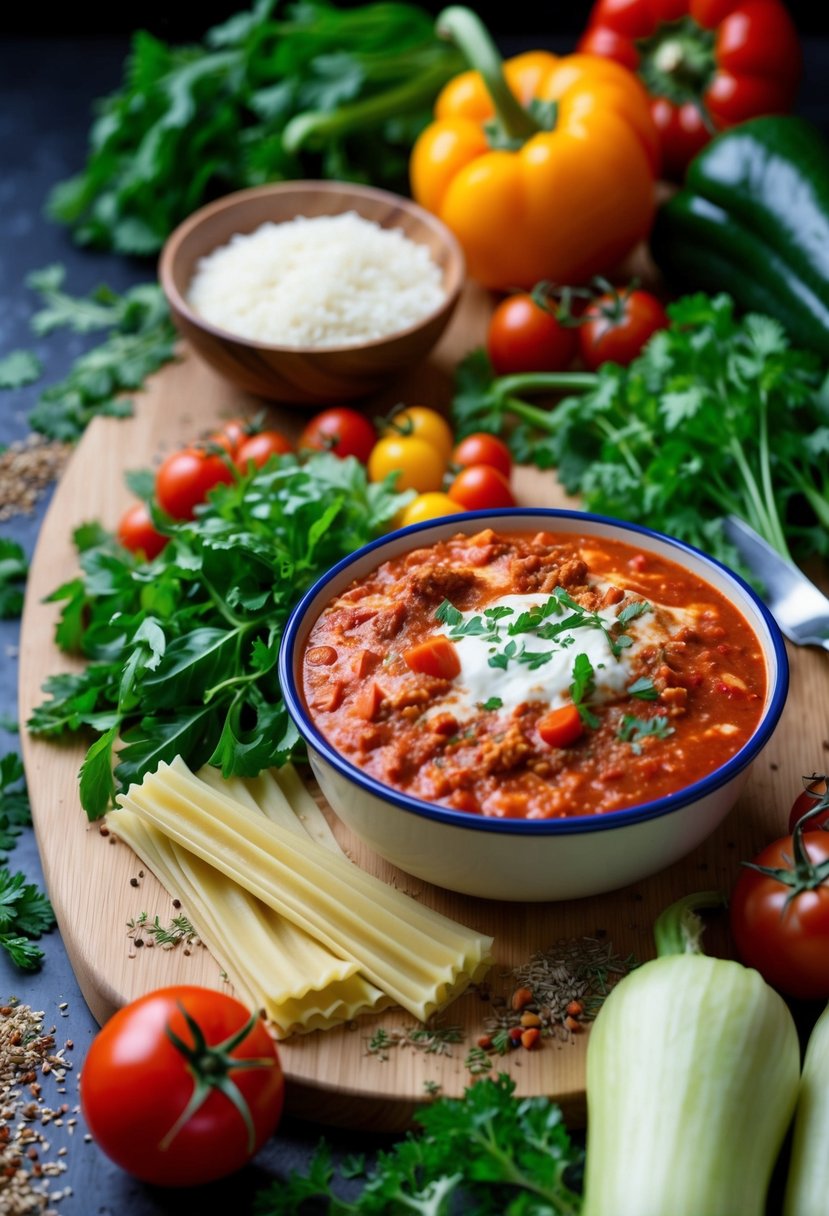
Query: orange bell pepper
(543,166)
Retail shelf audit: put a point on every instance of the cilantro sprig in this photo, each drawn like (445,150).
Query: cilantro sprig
(14,568)
(182,651)
(719,415)
(487,1152)
(634,730)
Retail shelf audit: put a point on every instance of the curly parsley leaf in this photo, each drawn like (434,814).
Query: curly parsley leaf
(19,368)
(634,730)
(182,650)
(487,1153)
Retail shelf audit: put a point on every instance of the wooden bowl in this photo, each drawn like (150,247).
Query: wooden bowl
(306,375)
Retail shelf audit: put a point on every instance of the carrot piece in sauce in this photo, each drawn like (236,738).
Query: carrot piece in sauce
(561,727)
(435,656)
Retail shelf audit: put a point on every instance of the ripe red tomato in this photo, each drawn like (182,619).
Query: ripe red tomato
(618,325)
(480,487)
(184,479)
(230,435)
(813,797)
(779,916)
(483,448)
(524,337)
(340,430)
(137,532)
(259,448)
(142,1081)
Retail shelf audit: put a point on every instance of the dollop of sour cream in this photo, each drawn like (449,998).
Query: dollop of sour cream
(515,666)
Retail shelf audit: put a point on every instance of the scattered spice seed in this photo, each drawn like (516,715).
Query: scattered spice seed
(27,468)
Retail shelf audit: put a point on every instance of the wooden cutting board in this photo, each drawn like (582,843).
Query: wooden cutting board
(98,886)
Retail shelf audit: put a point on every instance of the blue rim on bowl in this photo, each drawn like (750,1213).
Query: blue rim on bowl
(533,827)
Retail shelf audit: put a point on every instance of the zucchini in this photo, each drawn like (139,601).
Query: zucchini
(752,219)
(693,1066)
(807,1181)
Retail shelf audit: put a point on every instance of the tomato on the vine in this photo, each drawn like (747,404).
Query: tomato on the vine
(483,448)
(343,431)
(258,449)
(480,487)
(524,337)
(616,325)
(230,435)
(185,478)
(182,1086)
(418,465)
(137,532)
(812,801)
(779,914)
(424,423)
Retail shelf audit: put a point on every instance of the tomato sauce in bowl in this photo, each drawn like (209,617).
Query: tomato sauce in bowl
(533,674)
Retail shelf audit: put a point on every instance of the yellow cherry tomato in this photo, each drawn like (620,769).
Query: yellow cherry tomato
(431,505)
(423,423)
(418,465)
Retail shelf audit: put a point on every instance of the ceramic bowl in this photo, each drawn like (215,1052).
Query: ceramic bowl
(542,859)
(307,375)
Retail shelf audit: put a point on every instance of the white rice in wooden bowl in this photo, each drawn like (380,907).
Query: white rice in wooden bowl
(317,281)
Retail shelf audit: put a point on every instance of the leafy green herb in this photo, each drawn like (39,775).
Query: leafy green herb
(141,338)
(718,415)
(182,651)
(491,703)
(25,915)
(487,1153)
(19,368)
(15,811)
(633,730)
(14,568)
(582,687)
(317,92)
(643,688)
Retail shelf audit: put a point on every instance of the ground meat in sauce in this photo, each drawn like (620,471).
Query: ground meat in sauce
(696,658)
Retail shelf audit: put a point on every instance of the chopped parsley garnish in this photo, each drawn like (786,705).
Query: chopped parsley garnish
(491,703)
(643,688)
(552,621)
(582,688)
(633,730)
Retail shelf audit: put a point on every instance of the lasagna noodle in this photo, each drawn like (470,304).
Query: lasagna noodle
(276,967)
(415,955)
(278,793)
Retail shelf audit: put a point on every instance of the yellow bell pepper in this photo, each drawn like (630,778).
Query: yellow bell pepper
(543,166)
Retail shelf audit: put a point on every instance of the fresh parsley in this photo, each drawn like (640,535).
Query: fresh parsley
(643,688)
(487,1153)
(15,811)
(182,651)
(140,338)
(14,568)
(633,730)
(719,414)
(318,91)
(25,915)
(582,688)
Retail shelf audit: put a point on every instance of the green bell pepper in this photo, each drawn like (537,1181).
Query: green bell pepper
(752,219)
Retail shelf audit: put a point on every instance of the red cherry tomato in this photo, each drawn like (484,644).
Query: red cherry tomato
(524,337)
(483,448)
(813,797)
(618,325)
(259,448)
(140,1086)
(340,430)
(480,487)
(185,478)
(137,532)
(780,920)
(230,435)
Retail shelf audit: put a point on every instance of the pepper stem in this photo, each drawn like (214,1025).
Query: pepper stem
(678,930)
(465,28)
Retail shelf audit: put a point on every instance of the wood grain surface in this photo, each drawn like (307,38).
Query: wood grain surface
(97,885)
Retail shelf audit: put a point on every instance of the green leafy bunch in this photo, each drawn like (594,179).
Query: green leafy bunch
(317,91)
(182,651)
(25,912)
(718,415)
(488,1153)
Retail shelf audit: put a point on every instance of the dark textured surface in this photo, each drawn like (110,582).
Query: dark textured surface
(47,87)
